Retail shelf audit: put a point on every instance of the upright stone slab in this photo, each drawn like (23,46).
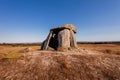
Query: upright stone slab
(64,39)
(73,42)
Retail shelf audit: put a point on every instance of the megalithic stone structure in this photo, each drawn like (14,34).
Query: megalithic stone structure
(62,37)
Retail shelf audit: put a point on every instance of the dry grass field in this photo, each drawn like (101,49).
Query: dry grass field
(14,51)
(105,48)
(90,62)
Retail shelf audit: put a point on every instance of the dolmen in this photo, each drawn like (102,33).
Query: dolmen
(61,38)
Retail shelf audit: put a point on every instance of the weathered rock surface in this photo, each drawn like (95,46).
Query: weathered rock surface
(64,39)
(72,27)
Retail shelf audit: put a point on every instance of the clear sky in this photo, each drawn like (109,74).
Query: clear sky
(30,20)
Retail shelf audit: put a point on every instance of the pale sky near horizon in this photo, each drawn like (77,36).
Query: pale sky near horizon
(30,20)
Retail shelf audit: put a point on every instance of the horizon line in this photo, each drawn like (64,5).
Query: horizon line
(41,42)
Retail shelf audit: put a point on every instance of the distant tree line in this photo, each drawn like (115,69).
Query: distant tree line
(21,44)
(101,42)
(39,43)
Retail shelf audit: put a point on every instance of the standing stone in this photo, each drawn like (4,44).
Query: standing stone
(64,39)
(46,42)
(73,42)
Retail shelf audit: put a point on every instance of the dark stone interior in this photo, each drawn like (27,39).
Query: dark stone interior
(54,39)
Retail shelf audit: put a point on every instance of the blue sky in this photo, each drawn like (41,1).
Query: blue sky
(30,20)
